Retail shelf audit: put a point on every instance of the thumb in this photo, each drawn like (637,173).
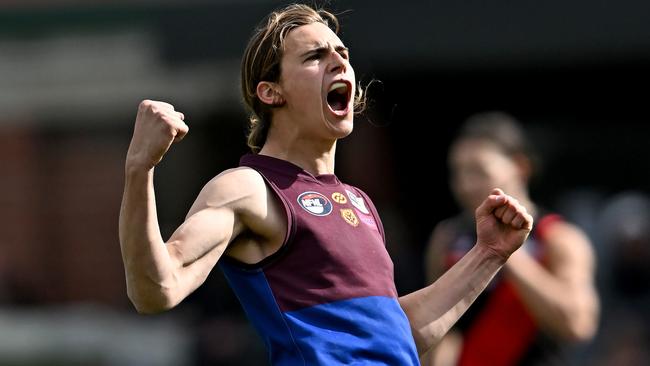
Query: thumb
(494,200)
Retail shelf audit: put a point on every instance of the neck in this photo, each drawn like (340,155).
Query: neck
(314,156)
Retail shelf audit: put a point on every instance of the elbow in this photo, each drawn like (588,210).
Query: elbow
(150,295)
(150,308)
(420,341)
(580,326)
(426,332)
(427,337)
(582,329)
(579,333)
(148,302)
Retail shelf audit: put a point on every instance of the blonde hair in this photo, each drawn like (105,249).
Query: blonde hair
(261,62)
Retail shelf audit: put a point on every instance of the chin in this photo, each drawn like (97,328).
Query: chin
(343,127)
(345,133)
(339,126)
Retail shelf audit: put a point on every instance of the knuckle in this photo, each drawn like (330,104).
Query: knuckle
(156,110)
(145,104)
(161,113)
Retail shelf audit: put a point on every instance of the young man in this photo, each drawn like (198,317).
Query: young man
(545,298)
(303,252)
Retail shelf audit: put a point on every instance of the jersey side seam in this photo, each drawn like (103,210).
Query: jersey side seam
(284,321)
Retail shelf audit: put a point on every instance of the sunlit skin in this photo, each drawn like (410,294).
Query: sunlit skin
(238,214)
(304,127)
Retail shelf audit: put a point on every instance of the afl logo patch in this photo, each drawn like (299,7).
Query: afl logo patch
(315,203)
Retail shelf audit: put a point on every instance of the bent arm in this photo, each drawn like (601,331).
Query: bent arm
(445,352)
(502,225)
(562,298)
(161,274)
(147,262)
(433,310)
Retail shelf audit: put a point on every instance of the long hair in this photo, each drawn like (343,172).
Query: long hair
(261,62)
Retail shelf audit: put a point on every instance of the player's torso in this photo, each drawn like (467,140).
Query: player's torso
(331,284)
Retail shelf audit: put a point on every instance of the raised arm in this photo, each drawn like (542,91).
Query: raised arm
(160,274)
(446,351)
(561,295)
(502,225)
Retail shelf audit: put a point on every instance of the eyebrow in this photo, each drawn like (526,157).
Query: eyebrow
(321,49)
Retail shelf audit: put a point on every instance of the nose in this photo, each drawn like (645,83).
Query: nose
(338,64)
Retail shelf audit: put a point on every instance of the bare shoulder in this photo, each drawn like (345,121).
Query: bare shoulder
(563,233)
(568,243)
(258,214)
(244,192)
(241,190)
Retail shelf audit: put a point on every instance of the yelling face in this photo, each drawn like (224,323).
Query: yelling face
(317,83)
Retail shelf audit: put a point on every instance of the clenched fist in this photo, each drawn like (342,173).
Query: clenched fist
(502,223)
(157,126)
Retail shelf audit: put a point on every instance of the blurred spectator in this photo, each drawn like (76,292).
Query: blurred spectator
(624,232)
(544,299)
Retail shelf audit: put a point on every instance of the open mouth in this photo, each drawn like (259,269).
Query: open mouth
(338,97)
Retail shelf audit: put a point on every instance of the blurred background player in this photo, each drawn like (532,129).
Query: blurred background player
(545,298)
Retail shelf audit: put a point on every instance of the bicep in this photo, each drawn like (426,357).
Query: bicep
(214,221)
(205,231)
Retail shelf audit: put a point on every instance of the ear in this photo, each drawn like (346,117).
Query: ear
(269,93)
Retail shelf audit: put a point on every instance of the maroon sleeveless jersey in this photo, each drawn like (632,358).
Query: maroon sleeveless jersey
(327,297)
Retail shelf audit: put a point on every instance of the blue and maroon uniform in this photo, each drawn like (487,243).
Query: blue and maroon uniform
(327,297)
(498,329)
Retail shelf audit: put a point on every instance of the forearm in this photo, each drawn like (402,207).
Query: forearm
(147,263)
(567,310)
(434,309)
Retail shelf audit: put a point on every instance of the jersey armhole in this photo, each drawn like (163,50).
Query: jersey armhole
(544,223)
(288,237)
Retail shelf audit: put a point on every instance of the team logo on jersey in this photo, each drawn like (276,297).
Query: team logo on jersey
(315,203)
(338,197)
(357,202)
(350,217)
